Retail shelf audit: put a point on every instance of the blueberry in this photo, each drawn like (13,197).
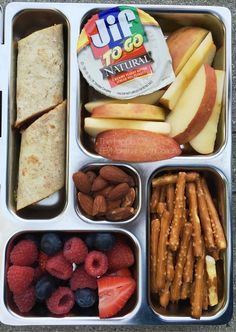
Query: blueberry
(51,244)
(85,297)
(90,240)
(44,288)
(104,241)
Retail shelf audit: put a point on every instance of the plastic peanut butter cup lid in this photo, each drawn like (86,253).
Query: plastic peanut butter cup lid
(122,53)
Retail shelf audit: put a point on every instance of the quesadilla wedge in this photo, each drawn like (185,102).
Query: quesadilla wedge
(42,158)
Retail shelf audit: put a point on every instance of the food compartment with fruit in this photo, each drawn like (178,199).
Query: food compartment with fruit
(189,254)
(60,274)
(107,193)
(184,118)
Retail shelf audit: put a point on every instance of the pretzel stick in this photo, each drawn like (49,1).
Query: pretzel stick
(165,295)
(180,262)
(163,194)
(193,213)
(215,253)
(204,217)
(170,198)
(155,199)
(188,267)
(162,250)
(155,230)
(185,290)
(211,280)
(197,295)
(172,179)
(170,272)
(217,228)
(161,207)
(205,301)
(178,212)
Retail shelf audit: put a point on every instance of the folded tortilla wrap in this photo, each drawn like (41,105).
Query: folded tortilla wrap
(42,158)
(40,73)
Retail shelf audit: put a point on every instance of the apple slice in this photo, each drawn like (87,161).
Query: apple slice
(194,107)
(204,54)
(129,111)
(205,140)
(135,145)
(94,126)
(182,43)
(150,99)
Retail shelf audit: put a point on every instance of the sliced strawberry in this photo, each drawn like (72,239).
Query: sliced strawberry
(113,293)
(125,272)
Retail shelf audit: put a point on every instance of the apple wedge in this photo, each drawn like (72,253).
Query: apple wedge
(150,99)
(194,107)
(129,111)
(135,145)
(204,54)
(182,43)
(205,140)
(94,126)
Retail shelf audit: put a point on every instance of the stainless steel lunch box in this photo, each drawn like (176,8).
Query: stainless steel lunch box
(60,212)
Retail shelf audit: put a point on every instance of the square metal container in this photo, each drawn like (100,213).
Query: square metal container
(60,212)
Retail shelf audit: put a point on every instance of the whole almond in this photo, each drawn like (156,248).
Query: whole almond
(119,191)
(131,181)
(118,214)
(86,203)
(99,205)
(99,183)
(111,205)
(129,198)
(114,174)
(82,182)
(91,176)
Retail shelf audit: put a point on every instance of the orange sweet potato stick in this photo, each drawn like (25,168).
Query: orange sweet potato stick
(162,251)
(180,262)
(155,230)
(204,217)
(172,178)
(178,212)
(170,198)
(193,213)
(217,228)
(198,290)
(155,199)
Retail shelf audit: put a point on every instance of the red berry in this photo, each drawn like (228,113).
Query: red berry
(113,293)
(125,272)
(59,267)
(43,258)
(37,274)
(61,301)
(81,279)
(26,300)
(24,253)
(75,250)
(19,278)
(120,256)
(96,263)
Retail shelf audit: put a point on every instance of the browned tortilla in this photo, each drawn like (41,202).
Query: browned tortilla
(40,73)
(42,158)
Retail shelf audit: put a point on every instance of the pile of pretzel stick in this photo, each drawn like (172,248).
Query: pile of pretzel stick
(187,238)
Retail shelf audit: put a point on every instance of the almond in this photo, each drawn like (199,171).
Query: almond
(99,183)
(82,182)
(104,192)
(131,182)
(119,191)
(111,205)
(129,199)
(86,203)
(91,176)
(118,214)
(99,205)
(114,174)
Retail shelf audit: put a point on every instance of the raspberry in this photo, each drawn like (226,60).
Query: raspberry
(61,301)
(19,278)
(43,258)
(37,274)
(120,256)
(26,300)
(96,263)
(75,250)
(81,279)
(59,267)
(24,253)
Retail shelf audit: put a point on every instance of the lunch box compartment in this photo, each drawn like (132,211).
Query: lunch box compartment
(217,185)
(25,23)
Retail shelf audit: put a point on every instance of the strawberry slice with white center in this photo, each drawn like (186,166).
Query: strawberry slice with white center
(113,293)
